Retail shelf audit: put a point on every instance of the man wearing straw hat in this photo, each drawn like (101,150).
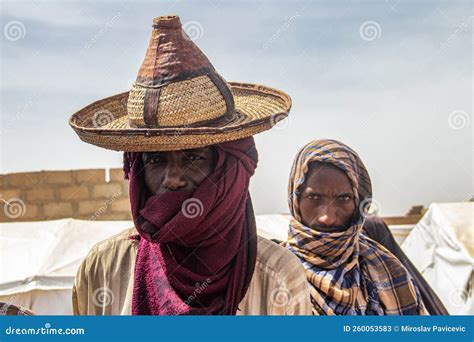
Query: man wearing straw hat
(188,155)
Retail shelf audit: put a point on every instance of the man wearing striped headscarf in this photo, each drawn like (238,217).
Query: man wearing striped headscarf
(348,273)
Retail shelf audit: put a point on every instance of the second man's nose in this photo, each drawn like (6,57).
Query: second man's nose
(327,217)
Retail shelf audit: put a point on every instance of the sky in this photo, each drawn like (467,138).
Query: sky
(392,79)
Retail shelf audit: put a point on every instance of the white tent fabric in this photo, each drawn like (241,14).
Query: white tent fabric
(39,260)
(273,226)
(441,247)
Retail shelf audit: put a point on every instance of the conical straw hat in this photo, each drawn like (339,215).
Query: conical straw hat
(178,101)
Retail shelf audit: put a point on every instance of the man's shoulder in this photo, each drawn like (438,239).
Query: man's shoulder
(114,247)
(107,268)
(277,259)
(279,285)
(119,238)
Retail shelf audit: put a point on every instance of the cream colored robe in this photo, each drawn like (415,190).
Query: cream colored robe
(104,281)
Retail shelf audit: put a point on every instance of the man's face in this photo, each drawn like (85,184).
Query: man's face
(177,170)
(326,199)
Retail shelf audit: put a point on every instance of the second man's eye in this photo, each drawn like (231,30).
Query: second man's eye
(313,197)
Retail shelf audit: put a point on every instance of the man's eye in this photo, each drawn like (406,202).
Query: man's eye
(155,160)
(195,158)
(344,198)
(313,197)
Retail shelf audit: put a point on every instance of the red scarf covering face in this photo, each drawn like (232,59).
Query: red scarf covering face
(197,250)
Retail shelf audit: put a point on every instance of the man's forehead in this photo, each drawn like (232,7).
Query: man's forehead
(326,175)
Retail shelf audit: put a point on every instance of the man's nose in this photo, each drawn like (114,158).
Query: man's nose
(173,179)
(327,216)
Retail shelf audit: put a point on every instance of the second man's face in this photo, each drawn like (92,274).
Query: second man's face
(326,199)
(177,170)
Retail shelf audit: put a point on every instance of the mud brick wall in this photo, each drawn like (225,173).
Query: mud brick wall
(49,195)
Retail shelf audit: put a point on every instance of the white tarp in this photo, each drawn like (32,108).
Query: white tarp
(39,260)
(273,226)
(440,246)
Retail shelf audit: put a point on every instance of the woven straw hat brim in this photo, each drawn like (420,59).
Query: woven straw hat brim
(105,123)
